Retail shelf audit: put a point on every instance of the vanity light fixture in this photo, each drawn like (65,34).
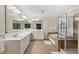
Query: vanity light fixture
(35,19)
(24,17)
(20,19)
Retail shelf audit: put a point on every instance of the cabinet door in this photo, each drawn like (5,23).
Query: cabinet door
(24,43)
(41,34)
(35,34)
(38,35)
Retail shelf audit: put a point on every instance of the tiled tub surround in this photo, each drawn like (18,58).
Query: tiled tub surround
(16,43)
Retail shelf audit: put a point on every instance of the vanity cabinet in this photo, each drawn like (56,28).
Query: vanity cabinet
(17,45)
(24,44)
(38,34)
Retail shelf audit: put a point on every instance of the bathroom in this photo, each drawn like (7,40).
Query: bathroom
(33,29)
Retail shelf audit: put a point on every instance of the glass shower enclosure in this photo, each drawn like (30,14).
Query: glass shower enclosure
(68,34)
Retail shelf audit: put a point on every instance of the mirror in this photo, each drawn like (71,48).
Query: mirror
(17,20)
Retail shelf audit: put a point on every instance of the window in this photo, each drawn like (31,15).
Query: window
(62,27)
(16,26)
(27,26)
(38,26)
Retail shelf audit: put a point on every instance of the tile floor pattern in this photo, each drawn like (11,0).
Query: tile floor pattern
(39,47)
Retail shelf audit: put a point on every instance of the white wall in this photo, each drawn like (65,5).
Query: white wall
(50,25)
(2,20)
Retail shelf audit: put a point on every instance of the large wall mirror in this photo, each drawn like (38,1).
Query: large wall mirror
(16,19)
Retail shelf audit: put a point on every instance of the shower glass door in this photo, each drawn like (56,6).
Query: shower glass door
(62,24)
(68,34)
(72,35)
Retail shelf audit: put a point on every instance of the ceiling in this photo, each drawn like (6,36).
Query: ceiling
(41,11)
